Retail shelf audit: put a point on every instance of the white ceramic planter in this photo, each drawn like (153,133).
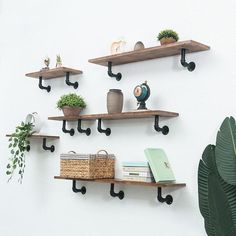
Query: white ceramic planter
(35,120)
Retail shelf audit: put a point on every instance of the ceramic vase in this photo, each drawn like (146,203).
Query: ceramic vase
(139,46)
(114,101)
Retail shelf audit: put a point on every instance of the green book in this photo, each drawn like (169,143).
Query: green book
(159,165)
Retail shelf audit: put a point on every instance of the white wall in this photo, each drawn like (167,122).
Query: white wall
(80,30)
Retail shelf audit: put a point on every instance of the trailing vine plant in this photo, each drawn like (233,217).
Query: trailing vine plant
(19,144)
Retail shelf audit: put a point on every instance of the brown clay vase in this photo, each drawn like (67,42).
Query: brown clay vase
(71,111)
(139,46)
(114,101)
(165,41)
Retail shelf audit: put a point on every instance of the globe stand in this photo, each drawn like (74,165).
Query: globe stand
(142,106)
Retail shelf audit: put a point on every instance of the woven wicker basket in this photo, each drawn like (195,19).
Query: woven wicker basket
(89,166)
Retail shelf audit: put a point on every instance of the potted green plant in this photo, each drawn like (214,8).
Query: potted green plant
(18,145)
(167,36)
(71,104)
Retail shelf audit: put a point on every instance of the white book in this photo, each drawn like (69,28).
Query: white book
(138,179)
(138,174)
(137,168)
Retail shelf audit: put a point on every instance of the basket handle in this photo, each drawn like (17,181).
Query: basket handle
(72,152)
(102,150)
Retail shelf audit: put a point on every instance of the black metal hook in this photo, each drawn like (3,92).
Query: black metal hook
(168,199)
(77,190)
(191,65)
(75,84)
(120,194)
(111,74)
(164,129)
(71,131)
(48,88)
(45,147)
(80,130)
(100,130)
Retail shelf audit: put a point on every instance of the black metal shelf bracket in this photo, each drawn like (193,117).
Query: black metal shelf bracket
(120,194)
(100,130)
(77,190)
(70,131)
(75,84)
(45,147)
(80,130)
(164,129)
(48,88)
(168,199)
(191,65)
(111,74)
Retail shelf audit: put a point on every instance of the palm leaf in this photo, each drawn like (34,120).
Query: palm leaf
(226,151)
(215,197)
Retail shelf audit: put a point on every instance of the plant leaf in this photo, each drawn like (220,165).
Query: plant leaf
(216,198)
(226,151)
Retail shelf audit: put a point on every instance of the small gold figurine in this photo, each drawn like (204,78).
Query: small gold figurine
(118,47)
(46,62)
(58,61)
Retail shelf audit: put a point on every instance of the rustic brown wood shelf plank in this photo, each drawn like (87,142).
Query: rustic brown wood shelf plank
(120,181)
(118,116)
(39,136)
(151,53)
(53,73)
(43,138)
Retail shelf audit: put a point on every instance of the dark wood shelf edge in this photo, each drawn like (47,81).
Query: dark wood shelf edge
(118,116)
(120,181)
(38,136)
(53,73)
(143,54)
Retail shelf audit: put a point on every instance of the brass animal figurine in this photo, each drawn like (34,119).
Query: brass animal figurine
(117,47)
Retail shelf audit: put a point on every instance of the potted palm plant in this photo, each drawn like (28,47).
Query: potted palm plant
(167,36)
(71,104)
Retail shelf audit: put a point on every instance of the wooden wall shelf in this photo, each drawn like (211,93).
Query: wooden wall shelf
(118,116)
(43,137)
(178,48)
(168,199)
(59,72)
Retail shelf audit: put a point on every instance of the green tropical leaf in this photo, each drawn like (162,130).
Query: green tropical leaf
(226,151)
(217,199)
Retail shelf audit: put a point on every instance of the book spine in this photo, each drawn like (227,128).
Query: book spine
(152,165)
(138,179)
(138,174)
(135,164)
(133,169)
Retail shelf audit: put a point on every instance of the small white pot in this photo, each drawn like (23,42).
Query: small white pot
(35,120)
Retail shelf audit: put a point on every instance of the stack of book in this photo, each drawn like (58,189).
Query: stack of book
(137,171)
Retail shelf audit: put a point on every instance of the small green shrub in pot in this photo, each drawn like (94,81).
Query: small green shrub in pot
(71,104)
(167,36)
(18,145)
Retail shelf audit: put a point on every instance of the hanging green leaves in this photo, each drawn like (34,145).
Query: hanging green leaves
(18,144)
